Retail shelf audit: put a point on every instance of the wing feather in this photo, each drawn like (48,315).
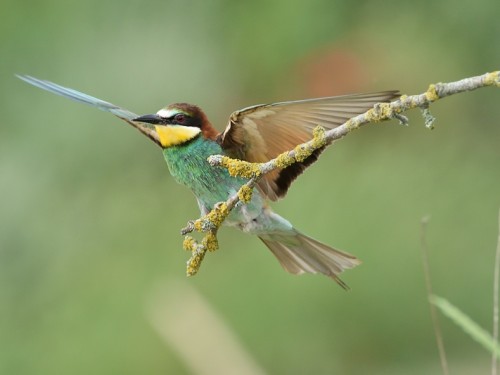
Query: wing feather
(260,133)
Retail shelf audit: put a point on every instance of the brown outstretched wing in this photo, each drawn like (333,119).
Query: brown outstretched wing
(262,132)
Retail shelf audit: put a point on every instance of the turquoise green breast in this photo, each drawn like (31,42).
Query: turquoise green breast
(189,166)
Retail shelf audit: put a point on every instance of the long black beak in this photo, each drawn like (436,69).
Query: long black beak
(149,119)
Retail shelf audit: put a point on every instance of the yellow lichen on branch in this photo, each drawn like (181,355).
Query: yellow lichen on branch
(189,243)
(245,193)
(210,241)
(197,254)
(493,79)
(194,263)
(240,168)
(209,224)
(213,219)
(380,112)
(217,215)
(198,251)
(431,94)
(303,151)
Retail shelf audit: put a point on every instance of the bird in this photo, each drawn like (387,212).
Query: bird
(255,134)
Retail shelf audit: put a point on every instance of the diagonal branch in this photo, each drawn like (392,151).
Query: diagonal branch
(211,222)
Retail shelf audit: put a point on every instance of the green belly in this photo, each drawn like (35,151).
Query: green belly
(189,166)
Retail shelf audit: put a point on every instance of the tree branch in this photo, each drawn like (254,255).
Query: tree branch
(211,222)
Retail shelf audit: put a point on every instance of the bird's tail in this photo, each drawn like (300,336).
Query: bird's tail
(299,254)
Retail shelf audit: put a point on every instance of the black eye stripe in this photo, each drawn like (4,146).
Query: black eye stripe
(186,120)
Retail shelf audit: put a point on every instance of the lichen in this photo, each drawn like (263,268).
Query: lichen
(240,168)
(198,224)
(189,243)
(213,219)
(386,111)
(208,223)
(428,118)
(302,152)
(245,193)
(194,263)
(431,94)
(284,160)
(197,254)
(380,112)
(218,214)
(493,79)
(351,124)
(210,241)
(319,139)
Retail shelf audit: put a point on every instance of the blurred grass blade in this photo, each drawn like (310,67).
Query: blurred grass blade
(496,277)
(200,336)
(467,324)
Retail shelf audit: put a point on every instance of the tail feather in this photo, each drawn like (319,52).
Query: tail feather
(299,254)
(80,97)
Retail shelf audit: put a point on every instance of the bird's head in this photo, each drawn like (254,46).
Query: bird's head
(179,123)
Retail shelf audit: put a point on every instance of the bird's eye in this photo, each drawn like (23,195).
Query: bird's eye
(180,118)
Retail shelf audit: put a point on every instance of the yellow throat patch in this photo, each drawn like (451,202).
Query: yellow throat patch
(173,135)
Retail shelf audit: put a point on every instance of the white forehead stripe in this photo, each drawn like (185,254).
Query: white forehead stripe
(166,113)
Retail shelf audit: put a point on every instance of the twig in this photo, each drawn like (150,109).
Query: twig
(255,171)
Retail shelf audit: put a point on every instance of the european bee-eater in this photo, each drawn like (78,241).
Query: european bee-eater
(255,134)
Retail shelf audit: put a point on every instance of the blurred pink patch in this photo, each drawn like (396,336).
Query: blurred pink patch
(332,71)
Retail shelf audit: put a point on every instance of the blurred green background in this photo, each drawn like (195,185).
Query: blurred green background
(90,218)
